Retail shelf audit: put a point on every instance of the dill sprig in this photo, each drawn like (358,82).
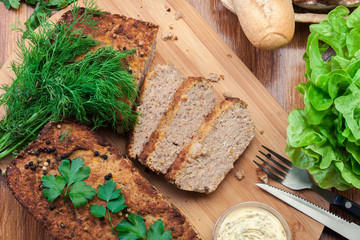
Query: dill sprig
(51,85)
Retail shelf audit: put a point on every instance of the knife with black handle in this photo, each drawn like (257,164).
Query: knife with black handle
(346,229)
(340,201)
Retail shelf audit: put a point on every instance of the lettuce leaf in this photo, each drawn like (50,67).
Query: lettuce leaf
(324,137)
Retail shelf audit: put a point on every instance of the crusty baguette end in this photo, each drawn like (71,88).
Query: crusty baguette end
(268,24)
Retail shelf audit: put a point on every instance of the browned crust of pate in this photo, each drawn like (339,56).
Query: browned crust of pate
(204,129)
(121,31)
(167,117)
(141,197)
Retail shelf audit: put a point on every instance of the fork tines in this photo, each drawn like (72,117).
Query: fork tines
(282,167)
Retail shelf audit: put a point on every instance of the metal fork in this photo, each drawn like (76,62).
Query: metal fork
(295,178)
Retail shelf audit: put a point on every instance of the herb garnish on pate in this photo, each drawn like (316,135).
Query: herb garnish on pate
(72,176)
(52,85)
(114,201)
(135,229)
(80,193)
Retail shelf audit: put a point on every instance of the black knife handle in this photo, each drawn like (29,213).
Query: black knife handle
(347,205)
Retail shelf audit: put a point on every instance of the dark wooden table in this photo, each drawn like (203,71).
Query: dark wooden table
(279,71)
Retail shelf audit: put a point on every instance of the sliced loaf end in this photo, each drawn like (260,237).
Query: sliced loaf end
(193,100)
(155,97)
(219,142)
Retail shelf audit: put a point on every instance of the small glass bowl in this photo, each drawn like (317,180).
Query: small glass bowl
(244,205)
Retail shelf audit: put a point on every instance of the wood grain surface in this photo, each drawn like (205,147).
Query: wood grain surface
(279,71)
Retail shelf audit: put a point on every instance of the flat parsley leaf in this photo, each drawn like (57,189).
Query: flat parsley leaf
(31,2)
(41,12)
(6,3)
(133,230)
(80,193)
(11,3)
(53,186)
(107,191)
(15,3)
(114,201)
(98,210)
(156,232)
(60,3)
(73,175)
(117,205)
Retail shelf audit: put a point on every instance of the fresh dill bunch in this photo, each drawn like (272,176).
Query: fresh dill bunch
(51,84)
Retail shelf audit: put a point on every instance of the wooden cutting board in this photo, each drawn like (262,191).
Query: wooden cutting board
(200,51)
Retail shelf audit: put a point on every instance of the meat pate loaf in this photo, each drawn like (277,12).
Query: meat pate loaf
(220,140)
(154,100)
(65,221)
(193,100)
(122,33)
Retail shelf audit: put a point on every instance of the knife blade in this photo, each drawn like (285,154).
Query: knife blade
(346,229)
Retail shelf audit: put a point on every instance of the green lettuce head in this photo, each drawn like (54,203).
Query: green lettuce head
(324,137)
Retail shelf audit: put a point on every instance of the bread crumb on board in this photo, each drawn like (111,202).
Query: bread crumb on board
(168,9)
(166,36)
(227,94)
(262,175)
(178,16)
(213,77)
(239,175)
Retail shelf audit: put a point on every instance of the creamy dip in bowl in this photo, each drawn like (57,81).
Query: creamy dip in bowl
(251,221)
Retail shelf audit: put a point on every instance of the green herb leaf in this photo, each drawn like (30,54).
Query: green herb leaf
(135,229)
(72,176)
(14,3)
(53,187)
(132,230)
(107,191)
(59,4)
(41,12)
(52,85)
(6,3)
(74,172)
(98,210)
(80,193)
(117,205)
(156,232)
(32,2)
(65,135)
(114,200)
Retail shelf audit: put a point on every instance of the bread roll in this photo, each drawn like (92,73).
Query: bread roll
(268,24)
(229,5)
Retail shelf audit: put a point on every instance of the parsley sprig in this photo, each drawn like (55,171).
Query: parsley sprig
(72,176)
(135,229)
(114,201)
(42,10)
